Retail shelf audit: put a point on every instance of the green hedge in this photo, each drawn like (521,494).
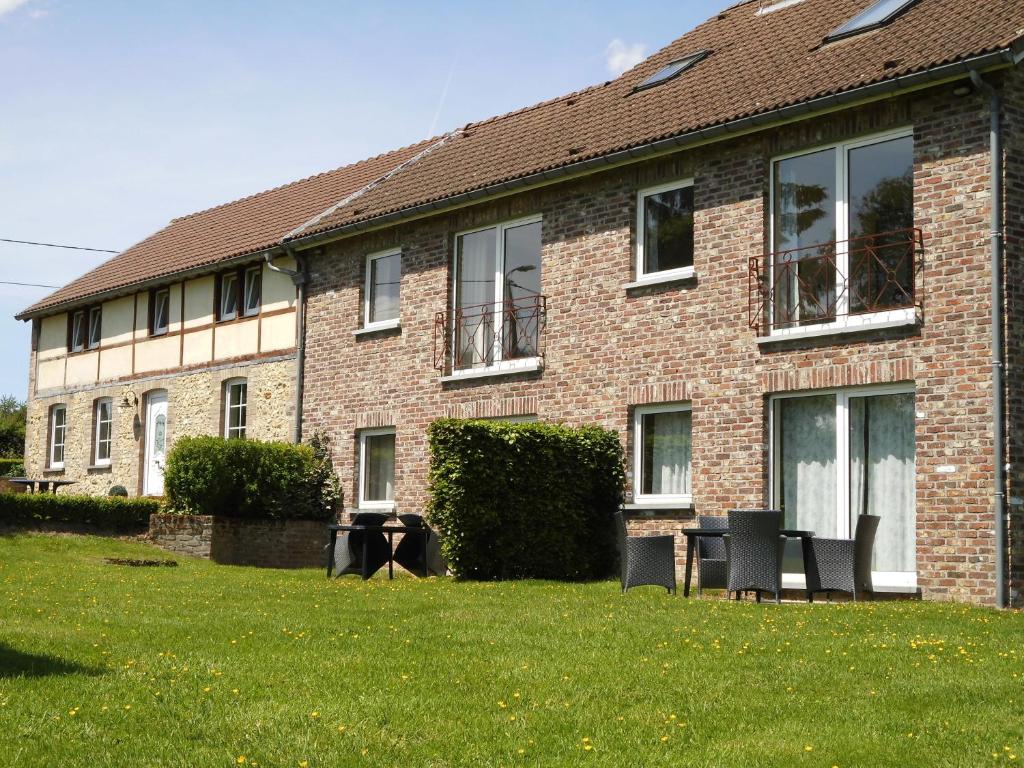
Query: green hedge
(11,467)
(95,511)
(525,500)
(251,479)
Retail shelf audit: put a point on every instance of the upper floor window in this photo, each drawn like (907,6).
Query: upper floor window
(160,311)
(103,431)
(383,288)
(662,454)
(228,305)
(95,327)
(58,433)
(236,397)
(77,332)
(842,236)
(377,468)
(252,292)
(664,243)
(498,306)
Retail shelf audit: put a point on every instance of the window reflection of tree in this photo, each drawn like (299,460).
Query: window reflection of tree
(880,244)
(806,290)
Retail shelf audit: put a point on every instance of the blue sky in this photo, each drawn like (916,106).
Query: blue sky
(118,116)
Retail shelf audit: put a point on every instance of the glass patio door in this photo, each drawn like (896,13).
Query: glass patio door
(840,454)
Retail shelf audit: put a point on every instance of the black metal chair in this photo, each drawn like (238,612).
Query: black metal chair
(754,548)
(351,546)
(419,552)
(712,566)
(646,559)
(841,565)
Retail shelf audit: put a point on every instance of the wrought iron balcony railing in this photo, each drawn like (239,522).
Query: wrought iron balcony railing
(825,283)
(486,335)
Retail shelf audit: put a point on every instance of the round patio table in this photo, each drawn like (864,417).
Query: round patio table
(42,484)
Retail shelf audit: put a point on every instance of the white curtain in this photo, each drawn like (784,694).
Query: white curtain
(475,332)
(668,449)
(380,468)
(882,469)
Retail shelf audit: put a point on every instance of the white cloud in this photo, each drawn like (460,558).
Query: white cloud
(6,6)
(619,55)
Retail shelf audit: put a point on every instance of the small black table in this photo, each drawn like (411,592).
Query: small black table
(692,534)
(390,530)
(43,484)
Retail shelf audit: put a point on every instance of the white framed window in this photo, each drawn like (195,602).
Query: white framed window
(103,432)
(95,327)
(252,292)
(383,289)
(843,249)
(664,232)
(161,311)
(228,305)
(662,454)
(498,309)
(377,468)
(58,435)
(77,332)
(835,454)
(236,395)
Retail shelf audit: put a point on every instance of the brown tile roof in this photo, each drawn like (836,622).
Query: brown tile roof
(758,64)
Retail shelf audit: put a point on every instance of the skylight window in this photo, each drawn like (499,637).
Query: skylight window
(669,71)
(875,15)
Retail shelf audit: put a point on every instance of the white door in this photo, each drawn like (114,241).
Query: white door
(156,444)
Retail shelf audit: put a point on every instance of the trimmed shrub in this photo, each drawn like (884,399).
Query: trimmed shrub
(525,500)
(12,467)
(95,511)
(117,490)
(250,479)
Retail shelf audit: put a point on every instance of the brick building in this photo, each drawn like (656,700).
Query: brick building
(763,256)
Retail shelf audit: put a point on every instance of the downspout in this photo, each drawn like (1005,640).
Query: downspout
(299,277)
(998,417)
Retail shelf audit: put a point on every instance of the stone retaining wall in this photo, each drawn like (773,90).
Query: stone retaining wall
(231,541)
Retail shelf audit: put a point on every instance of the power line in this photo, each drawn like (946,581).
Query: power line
(28,285)
(54,245)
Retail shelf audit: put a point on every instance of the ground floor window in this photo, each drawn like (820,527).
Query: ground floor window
(236,396)
(836,455)
(58,431)
(662,454)
(104,418)
(377,468)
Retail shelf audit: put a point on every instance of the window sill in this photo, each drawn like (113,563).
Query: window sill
(659,506)
(374,506)
(662,278)
(99,468)
(507,368)
(390,325)
(53,471)
(900,318)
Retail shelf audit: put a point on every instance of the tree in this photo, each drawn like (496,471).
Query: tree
(12,427)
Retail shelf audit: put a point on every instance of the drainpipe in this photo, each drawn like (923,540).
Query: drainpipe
(299,277)
(998,418)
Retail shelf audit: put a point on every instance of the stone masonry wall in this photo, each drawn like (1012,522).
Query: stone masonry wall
(609,348)
(195,407)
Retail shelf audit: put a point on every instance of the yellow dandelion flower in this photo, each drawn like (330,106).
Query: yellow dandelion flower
(664,739)
(808,748)
(241,760)
(314,715)
(304,764)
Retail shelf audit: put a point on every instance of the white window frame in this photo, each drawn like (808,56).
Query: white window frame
(394,322)
(665,275)
(238,381)
(889,581)
(365,503)
(53,463)
(79,330)
(97,423)
(674,500)
(161,330)
(499,366)
(844,321)
(96,312)
(249,311)
(222,294)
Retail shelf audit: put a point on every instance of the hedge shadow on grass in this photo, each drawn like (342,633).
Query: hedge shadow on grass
(15,663)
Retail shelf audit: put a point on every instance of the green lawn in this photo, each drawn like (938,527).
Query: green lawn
(206,665)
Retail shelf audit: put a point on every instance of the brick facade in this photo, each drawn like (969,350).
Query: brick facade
(609,348)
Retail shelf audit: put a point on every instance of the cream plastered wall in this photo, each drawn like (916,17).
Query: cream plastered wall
(193,337)
(195,406)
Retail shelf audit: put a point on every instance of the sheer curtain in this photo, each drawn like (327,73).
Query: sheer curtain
(882,468)
(667,453)
(475,286)
(381,468)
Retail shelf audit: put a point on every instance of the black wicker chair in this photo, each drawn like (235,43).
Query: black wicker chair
(350,546)
(646,559)
(419,552)
(754,548)
(712,567)
(841,565)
